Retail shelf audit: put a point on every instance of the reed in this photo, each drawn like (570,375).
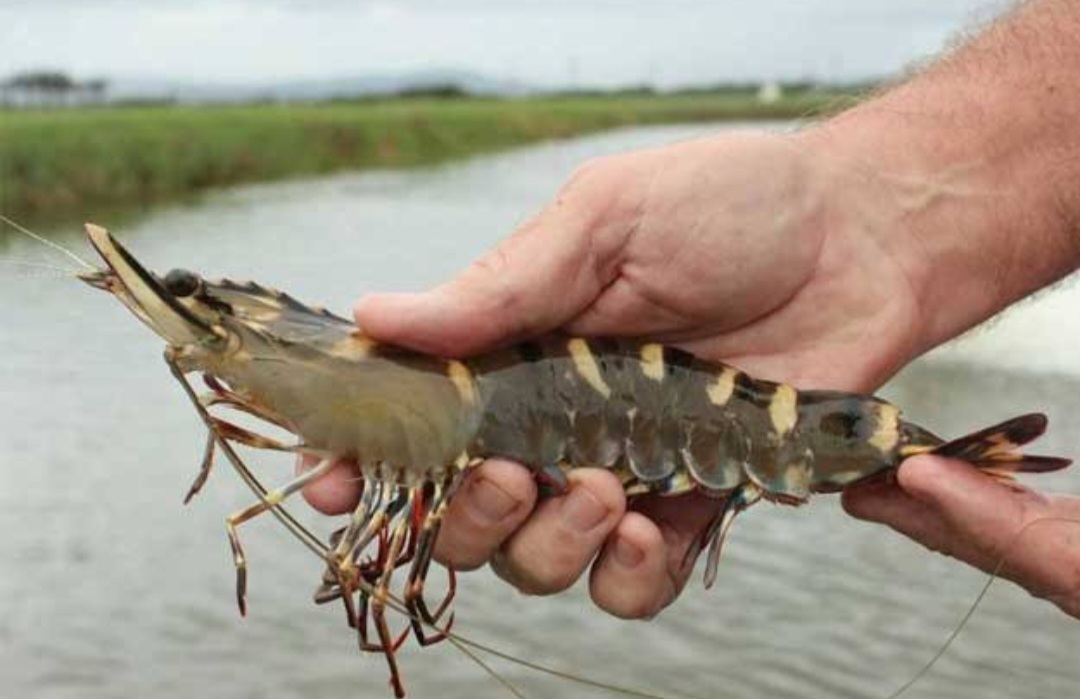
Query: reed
(78,161)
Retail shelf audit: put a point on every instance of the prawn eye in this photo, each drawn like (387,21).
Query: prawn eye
(181,283)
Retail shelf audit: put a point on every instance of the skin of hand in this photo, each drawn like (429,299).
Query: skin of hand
(724,246)
(1025,536)
(825,259)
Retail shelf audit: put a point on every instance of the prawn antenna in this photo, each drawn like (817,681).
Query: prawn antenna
(993,576)
(45,270)
(42,239)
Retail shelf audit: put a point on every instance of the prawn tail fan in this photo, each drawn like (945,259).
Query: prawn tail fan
(994,449)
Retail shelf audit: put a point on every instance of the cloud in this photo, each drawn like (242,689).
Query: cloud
(591,42)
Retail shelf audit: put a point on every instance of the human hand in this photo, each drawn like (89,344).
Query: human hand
(949,507)
(742,247)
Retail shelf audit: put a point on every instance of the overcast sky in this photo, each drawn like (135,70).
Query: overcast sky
(545,43)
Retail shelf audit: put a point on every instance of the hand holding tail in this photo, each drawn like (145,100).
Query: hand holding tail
(948,506)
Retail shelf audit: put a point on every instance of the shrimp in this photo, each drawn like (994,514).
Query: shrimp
(664,421)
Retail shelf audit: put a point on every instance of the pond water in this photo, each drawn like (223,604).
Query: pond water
(109,587)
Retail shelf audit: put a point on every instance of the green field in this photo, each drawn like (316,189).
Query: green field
(75,161)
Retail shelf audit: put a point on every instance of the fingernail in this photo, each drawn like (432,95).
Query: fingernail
(490,501)
(582,510)
(628,555)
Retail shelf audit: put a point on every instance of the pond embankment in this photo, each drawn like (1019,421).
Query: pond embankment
(66,162)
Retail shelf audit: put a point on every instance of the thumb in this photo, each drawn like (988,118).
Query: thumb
(992,524)
(943,503)
(985,511)
(540,278)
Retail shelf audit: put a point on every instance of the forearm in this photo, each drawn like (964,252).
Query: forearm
(970,172)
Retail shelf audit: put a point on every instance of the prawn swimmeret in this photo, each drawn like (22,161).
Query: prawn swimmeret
(666,422)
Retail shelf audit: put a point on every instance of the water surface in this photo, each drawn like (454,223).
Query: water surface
(111,588)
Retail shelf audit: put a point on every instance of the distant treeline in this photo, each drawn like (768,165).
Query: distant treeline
(50,88)
(453,91)
(76,161)
(54,88)
(729,88)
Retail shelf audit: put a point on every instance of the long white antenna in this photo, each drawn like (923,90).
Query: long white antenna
(46,241)
(38,265)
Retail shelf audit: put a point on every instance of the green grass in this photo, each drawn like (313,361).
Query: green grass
(73,161)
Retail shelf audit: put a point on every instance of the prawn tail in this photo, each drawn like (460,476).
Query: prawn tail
(994,449)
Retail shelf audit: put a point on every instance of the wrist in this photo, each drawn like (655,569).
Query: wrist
(971,200)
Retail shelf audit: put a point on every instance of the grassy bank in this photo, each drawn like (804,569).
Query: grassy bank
(75,161)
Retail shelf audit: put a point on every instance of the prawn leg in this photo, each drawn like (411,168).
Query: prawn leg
(226,431)
(419,613)
(205,467)
(220,395)
(379,596)
(283,515)
(369,521)
(269,501)
(717,532)
(336,582)
(218,428)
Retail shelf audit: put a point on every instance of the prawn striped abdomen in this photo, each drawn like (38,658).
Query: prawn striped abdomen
(669,422)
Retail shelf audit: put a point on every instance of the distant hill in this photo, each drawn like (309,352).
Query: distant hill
(188,91)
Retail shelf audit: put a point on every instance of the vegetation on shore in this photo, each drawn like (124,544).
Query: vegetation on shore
(64,161)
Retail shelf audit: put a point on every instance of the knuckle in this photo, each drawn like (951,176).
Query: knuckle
(627,607)
(559,574)
(586,173)
(1068,601)
(495,262)
(460,552)
(1071,603)
(463,561)
(504,294)
(538,575)
(547,581)
(589,194)
(630,599)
